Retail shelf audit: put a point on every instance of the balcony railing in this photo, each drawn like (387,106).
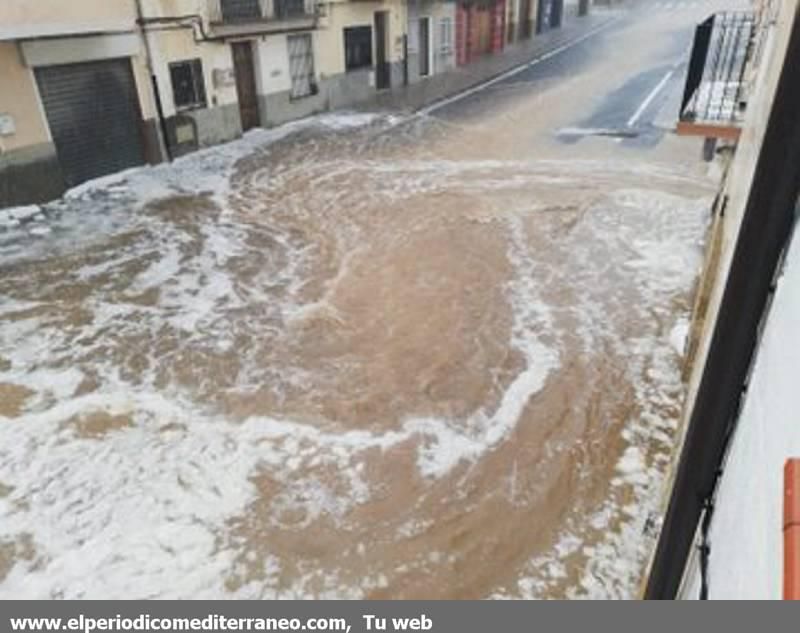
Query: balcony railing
(244,12)
(714,99)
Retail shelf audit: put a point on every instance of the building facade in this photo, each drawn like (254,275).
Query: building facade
(480,29)
(431,38)
(520,19)
(362,49)
(75,97)
(222,67)
(92,87)
(722,532)
(549,15)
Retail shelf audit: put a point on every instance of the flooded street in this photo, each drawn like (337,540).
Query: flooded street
(365,355)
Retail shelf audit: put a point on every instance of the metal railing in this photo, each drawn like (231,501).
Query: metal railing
(715,86)
(248,11)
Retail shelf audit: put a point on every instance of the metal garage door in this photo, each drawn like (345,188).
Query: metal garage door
(93,113)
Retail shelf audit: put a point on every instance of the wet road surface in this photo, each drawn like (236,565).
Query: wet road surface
(362,355)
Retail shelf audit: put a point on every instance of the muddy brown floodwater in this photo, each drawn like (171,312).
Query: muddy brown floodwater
(375,358)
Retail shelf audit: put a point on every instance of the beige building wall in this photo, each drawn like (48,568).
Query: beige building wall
(168,46)
(31,18)
(171,8)
(71,49)
(141,74)
(19,98)
(330,51)
(47,27)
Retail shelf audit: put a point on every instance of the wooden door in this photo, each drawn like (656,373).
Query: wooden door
(246,84)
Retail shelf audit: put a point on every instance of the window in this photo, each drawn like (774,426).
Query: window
(188,87)
(446,36)
(289,8)
(357,47)
(240,10)
(301,65)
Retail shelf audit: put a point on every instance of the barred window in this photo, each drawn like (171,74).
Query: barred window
(446,36)
(301,65)
(358,47)
(188,87)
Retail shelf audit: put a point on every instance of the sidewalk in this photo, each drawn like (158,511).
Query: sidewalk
(452,82)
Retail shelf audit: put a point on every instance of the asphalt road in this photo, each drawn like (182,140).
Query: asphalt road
(633,101)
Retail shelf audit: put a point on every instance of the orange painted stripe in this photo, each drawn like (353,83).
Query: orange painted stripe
(791,530)
(708,130)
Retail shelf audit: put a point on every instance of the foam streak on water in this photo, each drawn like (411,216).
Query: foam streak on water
(305,363)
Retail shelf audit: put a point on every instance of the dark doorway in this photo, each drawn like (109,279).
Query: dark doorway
(424,47)
(357,48)
(246,84)
(382,71)
(549,15)
(557,13)
(525,19)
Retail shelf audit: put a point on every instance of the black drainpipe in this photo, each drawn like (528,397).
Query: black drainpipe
(764,235)
(162,124)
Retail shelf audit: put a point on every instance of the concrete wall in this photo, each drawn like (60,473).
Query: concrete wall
(736,189)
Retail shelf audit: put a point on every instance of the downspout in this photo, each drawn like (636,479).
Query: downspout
(163,145)
(405,19)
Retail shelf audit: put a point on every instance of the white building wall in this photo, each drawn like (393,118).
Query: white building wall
(272,65)
(746,537)
(444,51)
(179,45)
(342,14)
(170,8)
